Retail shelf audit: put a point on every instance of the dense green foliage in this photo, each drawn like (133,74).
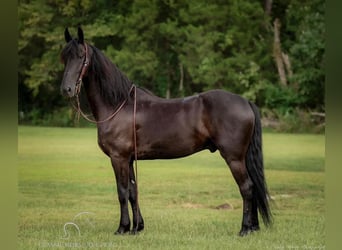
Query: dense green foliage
(177,48)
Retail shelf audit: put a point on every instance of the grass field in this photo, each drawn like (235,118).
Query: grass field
(67,196)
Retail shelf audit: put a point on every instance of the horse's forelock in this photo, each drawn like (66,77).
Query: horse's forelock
(70,50)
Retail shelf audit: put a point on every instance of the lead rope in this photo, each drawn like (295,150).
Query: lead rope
(135,154)
(80,112)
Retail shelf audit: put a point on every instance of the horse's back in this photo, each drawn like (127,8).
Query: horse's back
(232,103)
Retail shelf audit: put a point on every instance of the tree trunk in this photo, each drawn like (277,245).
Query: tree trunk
(181,80)
(278,54)
(287,63)
(168,91)
(268,7)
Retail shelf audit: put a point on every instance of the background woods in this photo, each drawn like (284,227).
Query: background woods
(271,52)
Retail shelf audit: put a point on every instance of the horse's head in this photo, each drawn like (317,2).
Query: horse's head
(75,57)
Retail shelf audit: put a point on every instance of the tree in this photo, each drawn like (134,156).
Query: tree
(298,50)
(308,51)
(177,48)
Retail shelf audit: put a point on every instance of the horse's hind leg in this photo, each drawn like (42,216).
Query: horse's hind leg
(138,222)
(250,217)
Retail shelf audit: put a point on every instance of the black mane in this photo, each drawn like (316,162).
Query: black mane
(114,85)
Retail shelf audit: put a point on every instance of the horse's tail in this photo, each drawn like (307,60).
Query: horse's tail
(255,168)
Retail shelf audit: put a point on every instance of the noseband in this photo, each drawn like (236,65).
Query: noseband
(83,70)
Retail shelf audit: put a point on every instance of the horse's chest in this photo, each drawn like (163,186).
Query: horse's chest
(114,143)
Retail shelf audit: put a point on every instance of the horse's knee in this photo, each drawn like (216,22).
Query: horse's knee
(123,194)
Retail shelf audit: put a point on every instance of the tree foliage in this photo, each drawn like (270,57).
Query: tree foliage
(177,48)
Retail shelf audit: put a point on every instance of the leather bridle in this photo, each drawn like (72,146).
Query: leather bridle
(83,70)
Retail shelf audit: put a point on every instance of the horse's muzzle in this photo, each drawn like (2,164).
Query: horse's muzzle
(68,91)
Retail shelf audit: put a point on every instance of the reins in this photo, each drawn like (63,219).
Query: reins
(79,110)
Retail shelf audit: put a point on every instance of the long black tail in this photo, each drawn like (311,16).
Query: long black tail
(255,168)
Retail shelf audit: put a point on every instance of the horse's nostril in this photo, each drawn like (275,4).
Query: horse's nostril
(67,91)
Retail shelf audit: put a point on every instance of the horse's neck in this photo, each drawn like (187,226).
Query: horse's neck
(99,108)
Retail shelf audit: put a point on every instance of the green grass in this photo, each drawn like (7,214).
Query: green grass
(62,173)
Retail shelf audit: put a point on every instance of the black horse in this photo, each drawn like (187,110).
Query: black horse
(132,124)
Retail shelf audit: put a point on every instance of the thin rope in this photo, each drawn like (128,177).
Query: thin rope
(136,154)
(79,110)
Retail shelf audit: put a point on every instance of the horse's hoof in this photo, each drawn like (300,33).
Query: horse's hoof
(138,229)
(122,230)
(244,232)
(255,228)
(134,232)
(247,231)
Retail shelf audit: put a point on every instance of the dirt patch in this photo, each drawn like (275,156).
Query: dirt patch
(225,206)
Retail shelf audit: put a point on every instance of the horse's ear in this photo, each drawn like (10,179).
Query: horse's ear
(80,35)
(67,35)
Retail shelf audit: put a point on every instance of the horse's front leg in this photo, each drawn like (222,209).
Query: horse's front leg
(121,170)
(138,222)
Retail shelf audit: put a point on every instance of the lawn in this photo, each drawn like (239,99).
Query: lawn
(67,196)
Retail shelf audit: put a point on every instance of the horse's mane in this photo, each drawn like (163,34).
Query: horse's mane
(114,85)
